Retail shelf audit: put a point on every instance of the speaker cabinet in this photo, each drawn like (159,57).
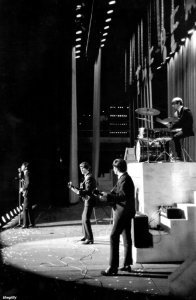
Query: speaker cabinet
(142,237)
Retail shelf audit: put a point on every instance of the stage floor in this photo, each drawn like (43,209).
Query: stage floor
(50,262)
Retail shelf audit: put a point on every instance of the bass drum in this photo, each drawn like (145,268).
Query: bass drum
(143,147)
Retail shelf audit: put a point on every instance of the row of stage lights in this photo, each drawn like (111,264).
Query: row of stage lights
(9,216)
(118,116)
(79,16)
(118,132)
(118,124)
(182,42)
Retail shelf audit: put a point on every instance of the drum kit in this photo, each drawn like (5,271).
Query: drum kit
(151,143)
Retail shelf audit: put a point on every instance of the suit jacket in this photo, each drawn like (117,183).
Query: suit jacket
(185,122)
(27,184)
(86,189)
(122,196)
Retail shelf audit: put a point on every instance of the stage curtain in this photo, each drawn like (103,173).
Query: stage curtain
(96,116)
(74,133)
(181,82)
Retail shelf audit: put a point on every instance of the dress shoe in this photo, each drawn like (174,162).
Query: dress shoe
(31,225)
(109,272)
(88,242)
(126,269)
(178,159)
(83,239)
(24,227)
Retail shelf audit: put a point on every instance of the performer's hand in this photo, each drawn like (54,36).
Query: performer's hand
(103,197)
(69,184)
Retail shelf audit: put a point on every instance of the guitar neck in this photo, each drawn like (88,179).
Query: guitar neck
(74,189)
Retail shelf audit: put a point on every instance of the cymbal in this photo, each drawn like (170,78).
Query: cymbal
(147,111)
(167,120)
(162,129)
(176,129)
(144,119)
(170,119)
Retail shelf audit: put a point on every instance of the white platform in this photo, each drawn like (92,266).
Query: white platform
(159,184)
(162,184)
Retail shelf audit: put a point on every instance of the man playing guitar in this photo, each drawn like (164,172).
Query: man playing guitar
(86,192)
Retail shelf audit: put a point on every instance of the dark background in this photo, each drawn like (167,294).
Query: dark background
(35,92)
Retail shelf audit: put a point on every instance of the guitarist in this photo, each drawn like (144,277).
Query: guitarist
(86,193)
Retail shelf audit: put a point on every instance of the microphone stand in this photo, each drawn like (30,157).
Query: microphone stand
(148,155)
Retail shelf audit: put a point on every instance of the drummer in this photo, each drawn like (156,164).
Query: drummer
(184,122)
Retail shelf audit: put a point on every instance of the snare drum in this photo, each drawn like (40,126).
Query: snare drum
(163,134)
(145,134)
(143,147)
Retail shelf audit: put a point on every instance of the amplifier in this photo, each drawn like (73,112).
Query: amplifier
(171,212)
(142,237)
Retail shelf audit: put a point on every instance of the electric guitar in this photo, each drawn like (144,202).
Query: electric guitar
(96,192)
(77,190)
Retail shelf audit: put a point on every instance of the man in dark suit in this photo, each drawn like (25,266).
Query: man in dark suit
(122,200)
(184,123)
(86,193)
(26,190)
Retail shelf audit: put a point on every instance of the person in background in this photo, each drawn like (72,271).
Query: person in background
(26,190)
(122,200)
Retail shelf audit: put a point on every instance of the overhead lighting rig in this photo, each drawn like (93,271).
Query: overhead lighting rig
(107,21)
(92,21)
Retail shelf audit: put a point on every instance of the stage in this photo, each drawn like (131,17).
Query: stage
(49,262)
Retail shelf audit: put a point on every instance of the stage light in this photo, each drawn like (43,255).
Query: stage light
(78,51)
(111,2)
(105,33)
(78,16)
(102,45)
(18,209)
(8,217)
(3,219)
(78,46)
(79,32)
(103,40)
(110,11)
(106,27)
(190,31)
(11,213)
(21,207)
(78,39)
(108,20)
(15,211)
(78,7)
